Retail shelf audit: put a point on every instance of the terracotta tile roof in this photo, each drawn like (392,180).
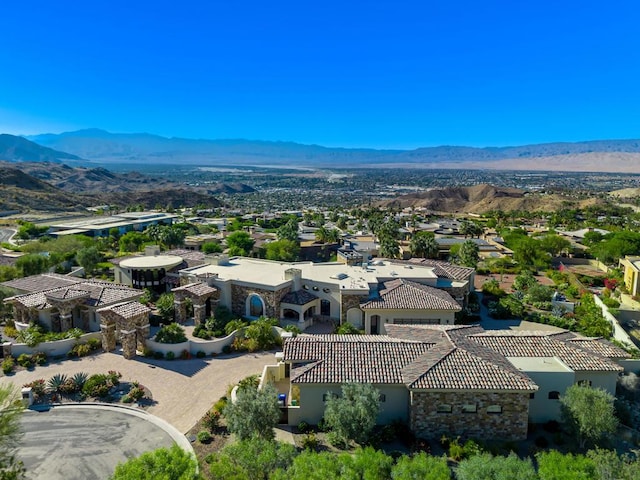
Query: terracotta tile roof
(350,358)
(66,294)
(99,294)
(299,297)
(199,289)
(529,344)
(599,346)
(46,281)
(445,269)
(460,369)
(404,294)
(127,310)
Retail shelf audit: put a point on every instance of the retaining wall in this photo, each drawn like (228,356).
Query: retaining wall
(53,349)
(619,333)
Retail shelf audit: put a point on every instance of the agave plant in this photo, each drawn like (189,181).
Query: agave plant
(80,378)
(56,382)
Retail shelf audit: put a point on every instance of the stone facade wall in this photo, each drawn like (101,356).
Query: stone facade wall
(457,292)
(347,302)
(511,424)
(272,299)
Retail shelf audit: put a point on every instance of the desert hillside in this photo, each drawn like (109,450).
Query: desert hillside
(481,199)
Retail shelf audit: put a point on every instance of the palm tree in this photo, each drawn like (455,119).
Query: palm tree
(424,245)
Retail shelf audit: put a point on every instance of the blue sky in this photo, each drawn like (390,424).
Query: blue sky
(394,74)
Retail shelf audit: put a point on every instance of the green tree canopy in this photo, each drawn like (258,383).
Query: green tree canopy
(211,247)
(352,415)
(282,250)
(254,413)
(253,459)
(32,264)
(487,467)
(165,306)
(240,243)
(469,254)
(288,231)
(161,464)
(421,466)
(553,465)
(424,245)
(589,413)
(88,258)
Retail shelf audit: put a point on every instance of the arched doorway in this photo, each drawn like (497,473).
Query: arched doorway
(255,306)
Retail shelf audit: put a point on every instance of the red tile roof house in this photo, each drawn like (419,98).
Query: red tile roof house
(61,302)
(453,380)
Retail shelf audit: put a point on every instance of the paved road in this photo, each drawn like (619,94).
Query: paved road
(84,444)
(6,234)
(183,389)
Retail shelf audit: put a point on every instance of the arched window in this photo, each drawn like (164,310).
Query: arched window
(255,306)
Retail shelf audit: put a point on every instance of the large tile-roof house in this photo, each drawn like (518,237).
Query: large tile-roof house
(369,296)
(453,379)
(61,302)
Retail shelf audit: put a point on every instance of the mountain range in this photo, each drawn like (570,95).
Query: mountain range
(102,147)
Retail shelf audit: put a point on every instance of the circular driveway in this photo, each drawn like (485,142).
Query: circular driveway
(87,442)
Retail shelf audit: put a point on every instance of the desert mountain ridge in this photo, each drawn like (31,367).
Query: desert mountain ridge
(483,198)
(100,146)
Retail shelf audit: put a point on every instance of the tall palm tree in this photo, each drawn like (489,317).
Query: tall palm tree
(424,245)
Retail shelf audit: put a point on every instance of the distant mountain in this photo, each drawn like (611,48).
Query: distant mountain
(19,149)
(101,146)
(20,191)
(482,198)
(49,187)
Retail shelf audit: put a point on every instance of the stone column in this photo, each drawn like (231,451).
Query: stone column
(142,333)
(108,336)
(199,313)
(6,349)
(181,311)
(66,320)
(128,343)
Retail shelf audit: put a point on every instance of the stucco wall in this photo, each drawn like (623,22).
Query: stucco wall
(59,347)
(541,408)
(511,424)
(394,407)
(271,298)
(389,316)
(604,380)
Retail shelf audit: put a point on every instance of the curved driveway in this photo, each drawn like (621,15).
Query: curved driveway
(183,389)
(86,443)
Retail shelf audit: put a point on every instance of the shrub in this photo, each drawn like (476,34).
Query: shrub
(8,365)
(136,393)
(170,356)
(185,355)
(38,387)
(200,354)
(172,333)
(40,358)
(158,355)
(352,416)
(234,325)
(114,377)
(492,287)
(220,404)
(303,427)
(348,329)
(80,379)
(226,349)
(11,331)
(310,442)
(56,382)
(456,451)
(94,344)
(147,352)
(80,350)
(204,436)
(25,360)
(293,329)
(97,385)
(211,419)
(69,387)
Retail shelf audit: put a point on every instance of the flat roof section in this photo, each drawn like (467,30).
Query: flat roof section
(539,364)
(151,261)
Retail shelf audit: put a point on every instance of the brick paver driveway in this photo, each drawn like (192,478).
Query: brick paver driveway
(183,389)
